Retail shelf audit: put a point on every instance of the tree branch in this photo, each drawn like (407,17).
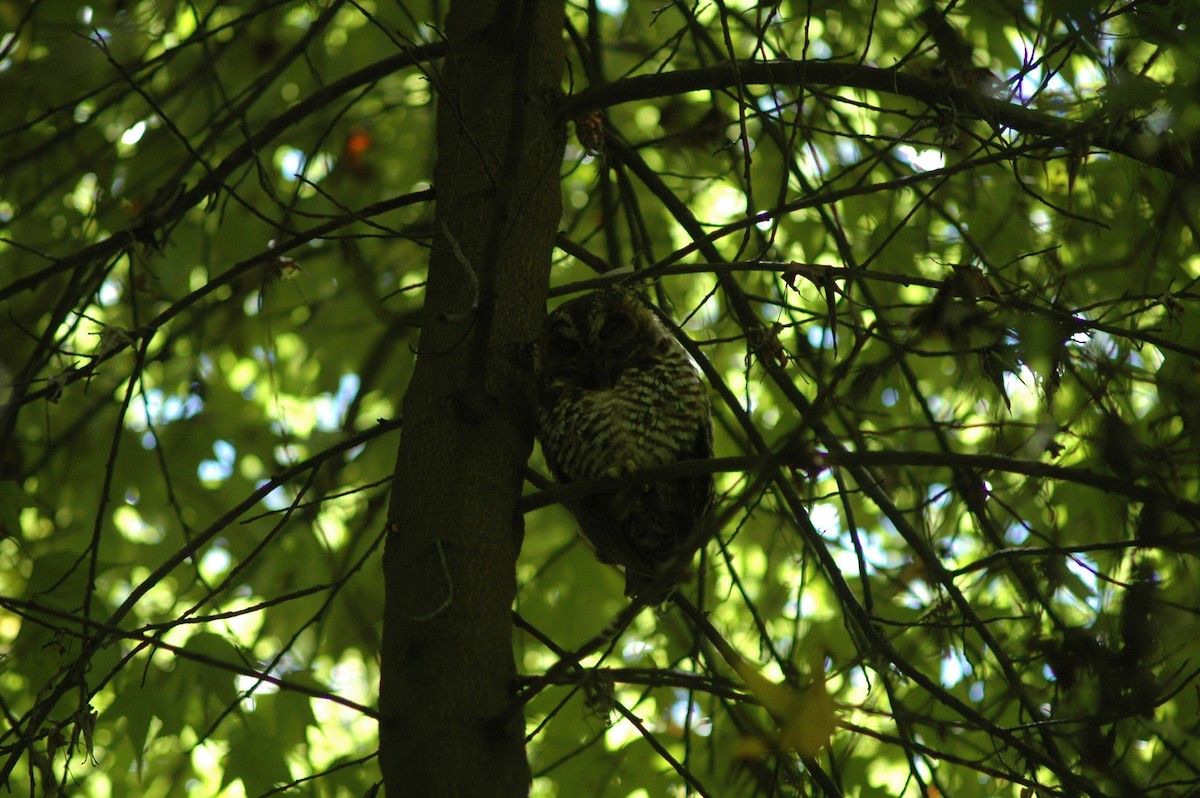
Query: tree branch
(1118,136)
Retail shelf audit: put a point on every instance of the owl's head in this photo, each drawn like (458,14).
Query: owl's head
(590,341)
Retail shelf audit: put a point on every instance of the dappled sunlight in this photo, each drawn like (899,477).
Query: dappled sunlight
(272,279)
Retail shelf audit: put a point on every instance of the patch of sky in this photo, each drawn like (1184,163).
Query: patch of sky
(1101,342)
(875,555)
(1040,221)
(949,232)
(295,164)
(291,163)
(848,151)
(349,677)
(827,518)
(331,408)
(248,686)
(918,597)
(819,336)
(220,468)
(924,160)
(635,650)
(1110,348)
(955,667)
(1158,121)
(1026,81)
(160,409)
(813,161)
(1049,675)
(938,496)
(700,724)
(120,591)
(262,355)
(288,453)
(819,49)
(282,665)
(772,102)
(614,8)
(724,202)
(1021,384)
(134,133)
(1017,534)
(810,607)
(216,560)
(1025,85)
(1084,569)
(109,293)
(118,184)
(1085,337)
(941,408)
(428,33)
(276,499)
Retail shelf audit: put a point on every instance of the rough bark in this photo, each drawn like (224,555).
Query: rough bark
(454,530)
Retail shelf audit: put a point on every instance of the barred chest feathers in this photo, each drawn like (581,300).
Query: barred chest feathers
(618,394)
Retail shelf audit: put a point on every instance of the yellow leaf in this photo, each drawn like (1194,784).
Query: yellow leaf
(752,747)
(812,722)
(806,718)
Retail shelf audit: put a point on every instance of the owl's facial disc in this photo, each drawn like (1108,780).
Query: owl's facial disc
(561,345)
(616,329)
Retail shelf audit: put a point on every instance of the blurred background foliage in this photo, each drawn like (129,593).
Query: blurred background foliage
(960,357)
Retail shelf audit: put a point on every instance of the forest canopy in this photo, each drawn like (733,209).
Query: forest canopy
(270,275)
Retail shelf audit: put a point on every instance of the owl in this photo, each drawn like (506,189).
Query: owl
(617,394)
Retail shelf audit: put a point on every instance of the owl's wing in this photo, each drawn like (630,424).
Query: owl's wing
(610,540)
(610,546)
(693,520)
(701,486)
(699,526)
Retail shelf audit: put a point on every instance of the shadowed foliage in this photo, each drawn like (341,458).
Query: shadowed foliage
(270,278)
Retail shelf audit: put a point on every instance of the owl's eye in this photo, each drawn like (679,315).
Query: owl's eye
(615,327)
(562,347)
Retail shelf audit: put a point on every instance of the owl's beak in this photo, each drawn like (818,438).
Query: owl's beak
(608,373)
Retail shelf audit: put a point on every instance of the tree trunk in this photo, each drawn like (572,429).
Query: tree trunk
(447,667)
